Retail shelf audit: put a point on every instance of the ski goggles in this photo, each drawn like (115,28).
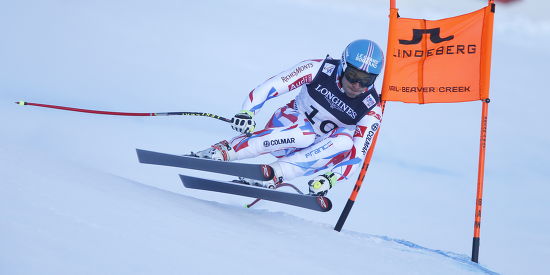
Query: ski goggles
(354,75)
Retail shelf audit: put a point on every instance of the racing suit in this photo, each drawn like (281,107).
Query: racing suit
(320,128)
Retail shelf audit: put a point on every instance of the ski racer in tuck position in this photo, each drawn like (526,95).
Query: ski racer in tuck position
(329,124)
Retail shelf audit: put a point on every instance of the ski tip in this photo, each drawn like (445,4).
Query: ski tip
(142,156)
(20,103)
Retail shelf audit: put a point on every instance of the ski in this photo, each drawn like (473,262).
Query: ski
(260,172)
(317,203)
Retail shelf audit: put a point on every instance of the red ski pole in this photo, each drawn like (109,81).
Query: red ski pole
(124,113)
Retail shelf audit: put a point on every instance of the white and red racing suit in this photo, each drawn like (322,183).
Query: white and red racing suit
(321,128)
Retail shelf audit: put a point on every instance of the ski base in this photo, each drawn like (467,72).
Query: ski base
(317,203)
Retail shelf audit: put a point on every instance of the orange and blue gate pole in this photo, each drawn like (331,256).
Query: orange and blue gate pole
(486,66)
(353,196)
(359,182)
(480,174)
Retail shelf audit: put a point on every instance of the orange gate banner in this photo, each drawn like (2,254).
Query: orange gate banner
(436,61)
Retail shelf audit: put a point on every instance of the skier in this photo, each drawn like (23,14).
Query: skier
(329,124)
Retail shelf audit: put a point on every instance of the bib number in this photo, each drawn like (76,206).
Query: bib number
(325,126)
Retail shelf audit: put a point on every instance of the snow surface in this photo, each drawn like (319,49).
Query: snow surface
(74,200)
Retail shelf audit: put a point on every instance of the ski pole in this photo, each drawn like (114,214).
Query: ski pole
(124,113)
(347,209)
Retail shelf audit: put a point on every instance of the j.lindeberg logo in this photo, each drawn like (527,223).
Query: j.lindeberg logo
(335,102)
(433,33)
(446,49)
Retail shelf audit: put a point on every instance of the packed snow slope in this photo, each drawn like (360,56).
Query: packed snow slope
(74,199)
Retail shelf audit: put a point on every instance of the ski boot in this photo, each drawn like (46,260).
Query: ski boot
(221,151)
